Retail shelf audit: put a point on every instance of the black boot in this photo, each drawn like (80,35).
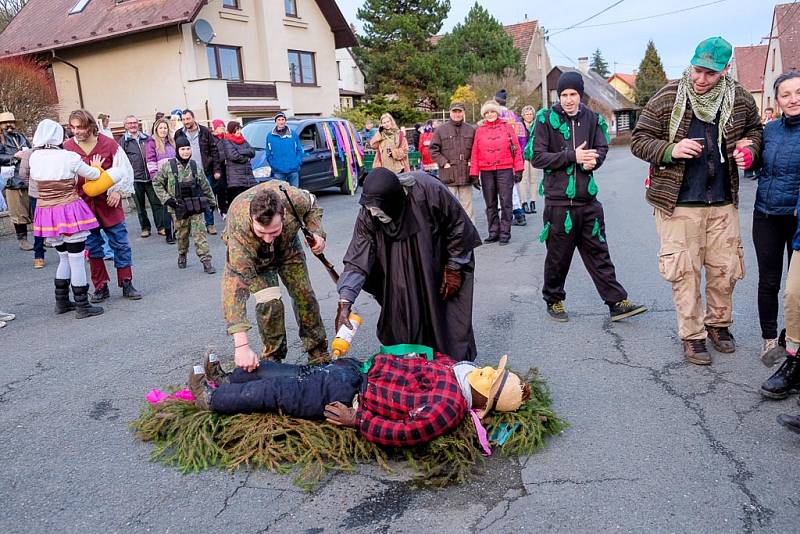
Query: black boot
(130,292)
(101,294)
(525,207)
(63,304)
(533,206)
(786,380)
(519,218)
(84,309)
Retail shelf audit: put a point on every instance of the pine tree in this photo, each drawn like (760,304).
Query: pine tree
(651,76)
(599,64)
(396,51)
(479,45)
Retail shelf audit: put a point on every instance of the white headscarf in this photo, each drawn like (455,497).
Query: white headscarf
(48,133)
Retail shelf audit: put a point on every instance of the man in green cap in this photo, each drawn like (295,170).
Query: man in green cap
(696,133)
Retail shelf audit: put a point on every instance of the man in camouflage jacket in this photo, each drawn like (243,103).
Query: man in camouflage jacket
(263,244)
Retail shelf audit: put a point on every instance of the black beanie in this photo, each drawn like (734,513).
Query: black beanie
(182,141)
(570,80)
(501,97)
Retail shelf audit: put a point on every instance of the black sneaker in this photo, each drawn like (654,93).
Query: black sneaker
(491,239)
(624,309)
(504,241)
(557,312)
(791,422)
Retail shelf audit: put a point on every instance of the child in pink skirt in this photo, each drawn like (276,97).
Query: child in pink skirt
(61,216)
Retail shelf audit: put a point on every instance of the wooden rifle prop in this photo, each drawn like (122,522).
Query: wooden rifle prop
(310,238)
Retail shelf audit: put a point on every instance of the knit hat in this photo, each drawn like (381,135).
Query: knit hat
(233,126)
(501,97)
(570,80)
(216,123)
(490,105)
(279,114)
(181,142)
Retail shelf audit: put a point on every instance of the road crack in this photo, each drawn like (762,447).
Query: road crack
(10,387)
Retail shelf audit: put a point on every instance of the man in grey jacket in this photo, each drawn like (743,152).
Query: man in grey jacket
(450,149)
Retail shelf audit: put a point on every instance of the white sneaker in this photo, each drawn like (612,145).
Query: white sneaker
(5,317)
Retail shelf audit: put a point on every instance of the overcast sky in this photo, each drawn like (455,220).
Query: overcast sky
(742,22)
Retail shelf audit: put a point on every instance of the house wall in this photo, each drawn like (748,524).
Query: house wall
(350,76)
(534,59)
(166,69)
(770,72)
(626,90)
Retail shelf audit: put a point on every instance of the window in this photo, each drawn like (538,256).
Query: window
(232,4)
(79,6)
(339,69)
(310,138)
(224,62)
(773,59)
(290,7)
(302,70)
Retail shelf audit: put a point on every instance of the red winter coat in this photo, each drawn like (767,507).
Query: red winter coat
(492,150)
(425,139)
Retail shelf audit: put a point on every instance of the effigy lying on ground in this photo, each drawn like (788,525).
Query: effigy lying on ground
(193,439)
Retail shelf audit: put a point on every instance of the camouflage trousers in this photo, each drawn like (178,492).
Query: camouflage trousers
(270,314)
(694,239)
(194,225)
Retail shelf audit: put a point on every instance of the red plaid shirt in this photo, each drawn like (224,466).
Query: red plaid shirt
(410,401)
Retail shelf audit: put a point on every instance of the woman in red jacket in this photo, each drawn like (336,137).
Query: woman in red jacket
(497,159)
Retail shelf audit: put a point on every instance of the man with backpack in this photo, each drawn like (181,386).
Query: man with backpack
(183,188)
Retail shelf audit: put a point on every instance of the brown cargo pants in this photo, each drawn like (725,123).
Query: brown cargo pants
(694,238)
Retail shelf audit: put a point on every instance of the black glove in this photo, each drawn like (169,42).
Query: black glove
(380,129)
(343,315)
(517,177)
(172,203)
(476,182)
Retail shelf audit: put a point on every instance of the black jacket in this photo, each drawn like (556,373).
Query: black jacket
(556,155)
(208,151)
(12,143)
(239,172)
(136,151)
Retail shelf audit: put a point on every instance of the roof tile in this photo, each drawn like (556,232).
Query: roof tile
(750,61)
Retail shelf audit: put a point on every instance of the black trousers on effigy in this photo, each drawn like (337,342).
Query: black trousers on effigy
(295,390)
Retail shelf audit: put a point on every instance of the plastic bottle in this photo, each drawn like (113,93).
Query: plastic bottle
(344,337)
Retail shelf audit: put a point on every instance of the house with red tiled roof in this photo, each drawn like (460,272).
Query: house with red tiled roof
(227,59)
(784,47)
(528,38)
(747,68)
(624,83)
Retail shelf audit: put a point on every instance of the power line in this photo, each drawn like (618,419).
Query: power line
(618,2)
(563,54)
(788,17)
(698,6)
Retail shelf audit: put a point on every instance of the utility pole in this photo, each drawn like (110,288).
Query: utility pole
(544,68)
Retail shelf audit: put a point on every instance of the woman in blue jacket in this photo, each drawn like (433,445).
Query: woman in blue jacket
(775,214)
(779,179)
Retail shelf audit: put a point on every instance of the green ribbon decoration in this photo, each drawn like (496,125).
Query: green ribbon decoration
(571,189)
(603,126)
(555,121)
(544,233)
(596,231)
(568,223)
(540,116)
(592,186)
(541,188)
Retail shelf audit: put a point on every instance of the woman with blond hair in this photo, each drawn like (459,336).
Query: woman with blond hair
(527,187)
(160,149)
(391,146)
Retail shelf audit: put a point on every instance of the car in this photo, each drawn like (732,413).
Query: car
(316,172)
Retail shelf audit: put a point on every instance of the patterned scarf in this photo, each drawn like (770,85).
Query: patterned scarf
(706,106)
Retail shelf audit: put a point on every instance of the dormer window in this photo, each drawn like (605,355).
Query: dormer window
(79,6)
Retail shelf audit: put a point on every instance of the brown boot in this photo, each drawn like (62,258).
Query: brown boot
(24,244)
(722,339)
(199,387)
(207,267)
(696,352)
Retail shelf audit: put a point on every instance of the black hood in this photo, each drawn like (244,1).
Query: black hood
(382,189)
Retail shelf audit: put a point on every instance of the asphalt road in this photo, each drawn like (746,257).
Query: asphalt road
(655,444)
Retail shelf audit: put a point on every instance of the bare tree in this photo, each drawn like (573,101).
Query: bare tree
(8,10)
(27,92)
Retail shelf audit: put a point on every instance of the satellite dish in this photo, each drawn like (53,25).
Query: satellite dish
(203,31)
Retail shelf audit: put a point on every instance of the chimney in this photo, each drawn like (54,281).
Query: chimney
(635,72)
(583,64)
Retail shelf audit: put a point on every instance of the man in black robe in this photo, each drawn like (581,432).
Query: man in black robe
(412,250)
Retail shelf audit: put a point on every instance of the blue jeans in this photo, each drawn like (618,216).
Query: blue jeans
(292,177)
(38,242)
(208,215)
(117,240)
